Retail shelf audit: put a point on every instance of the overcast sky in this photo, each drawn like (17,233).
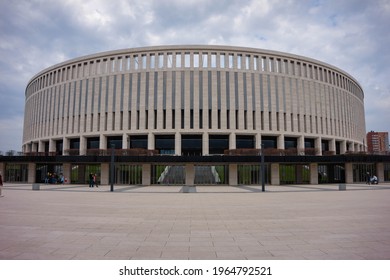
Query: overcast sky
(353,35)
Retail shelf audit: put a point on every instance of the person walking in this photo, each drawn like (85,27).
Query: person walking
(95,180)
(368,178)
(90,180)
(1,186)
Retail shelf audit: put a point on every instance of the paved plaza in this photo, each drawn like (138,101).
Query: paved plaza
(203,222)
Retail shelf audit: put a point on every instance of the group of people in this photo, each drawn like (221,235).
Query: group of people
(53,178)
(371,179)
(92,180)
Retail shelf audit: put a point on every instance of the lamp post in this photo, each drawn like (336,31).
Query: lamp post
(262,169)
(112,168)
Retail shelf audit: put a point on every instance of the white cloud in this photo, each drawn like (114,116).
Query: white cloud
(11,133)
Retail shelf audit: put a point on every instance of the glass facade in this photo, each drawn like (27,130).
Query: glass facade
(48,173)
(168,174)
(294,174)
(128,174)
(331,173)
(251,174)
(16,172)
(361,170)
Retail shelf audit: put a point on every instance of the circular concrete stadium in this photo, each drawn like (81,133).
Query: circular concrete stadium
(193,100)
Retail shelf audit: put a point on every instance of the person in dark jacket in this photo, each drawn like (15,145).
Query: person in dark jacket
(1,186)
(91,183)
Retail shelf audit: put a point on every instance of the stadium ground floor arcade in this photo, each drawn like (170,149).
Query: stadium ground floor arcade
(187,144)
(209,170)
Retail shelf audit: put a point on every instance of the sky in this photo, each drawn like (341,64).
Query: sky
(353,35)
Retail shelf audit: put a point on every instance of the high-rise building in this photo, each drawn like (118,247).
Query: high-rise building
(377,142)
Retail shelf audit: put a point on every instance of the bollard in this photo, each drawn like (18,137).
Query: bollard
(188,189)
(35,187)
(342,187)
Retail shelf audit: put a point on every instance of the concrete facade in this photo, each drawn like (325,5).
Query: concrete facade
(205,91)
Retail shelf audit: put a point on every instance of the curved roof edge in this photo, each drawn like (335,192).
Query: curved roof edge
(193,47)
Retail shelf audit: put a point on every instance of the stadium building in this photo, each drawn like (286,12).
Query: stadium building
(195,115)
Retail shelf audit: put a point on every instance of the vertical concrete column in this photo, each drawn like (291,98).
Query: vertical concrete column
(275,178)
(301,145)
(41,146)
(146,174)
(205,144)
(128,142)
(343,147)
(104,173)
(151,144)
(124,141)
(380,170)
(190,174)
(348,173)
(280,140)
(31,177)
(232,141)
(351,147)
(65,146)
(318,146)
(332,145)
(52,146)
(233,176)
(258,141)
(103,143)
(83,145)
(66,169)
(178,143)
(314,173)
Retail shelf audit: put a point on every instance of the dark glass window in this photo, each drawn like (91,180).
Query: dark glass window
(93,143)
(74,144)
(191,145)
(139,141)
(59,147)
(46,144)
(269,142)
(115,141)
(165,144)
(325,145)
(309,143)
(245,142)
(218,144)
(290,142)
(338,148)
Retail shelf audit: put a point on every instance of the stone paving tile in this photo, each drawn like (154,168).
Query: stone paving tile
(202,249)
(120,253)
(217,222)
(258,255)
(228,255)
(147,255)
(175,255)
(203,255)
